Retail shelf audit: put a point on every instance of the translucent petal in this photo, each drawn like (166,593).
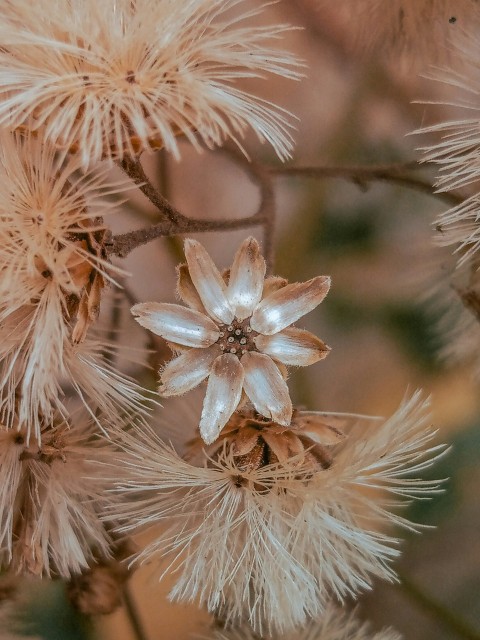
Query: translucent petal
(293,346)
(288,304)
(266,387)
(187,371)
(176,323)
(208,282)
(186,289)
(224,391)
(247,275)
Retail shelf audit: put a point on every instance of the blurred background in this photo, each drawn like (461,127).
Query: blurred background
(381,319)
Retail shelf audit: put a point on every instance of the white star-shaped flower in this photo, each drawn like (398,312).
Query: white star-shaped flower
(238,334)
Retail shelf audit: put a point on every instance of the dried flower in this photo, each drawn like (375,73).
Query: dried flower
(255,441)
(52,270)
(456,153)
(335,624)
(270,544)
(52,497)
(235,334)
(118,77)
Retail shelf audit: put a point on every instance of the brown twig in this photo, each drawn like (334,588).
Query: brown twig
(176,223)
(133,614)
(362,176)
(134,170)
(124,243)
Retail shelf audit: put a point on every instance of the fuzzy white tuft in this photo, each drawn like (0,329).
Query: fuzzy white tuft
(47,213)
(115,77)
(270,546)
(52,498)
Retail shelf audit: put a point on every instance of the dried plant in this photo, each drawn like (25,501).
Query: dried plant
(269,514)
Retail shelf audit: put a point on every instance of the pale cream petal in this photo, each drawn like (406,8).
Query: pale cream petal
(293,346)
(208,282)
(176,323)
(186,289)
(224,391)
(247,275)
(315,428)
(266,387)
(187,371)
(288,304)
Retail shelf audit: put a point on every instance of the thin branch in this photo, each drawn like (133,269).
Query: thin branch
(262,175)
(133,614)
(176,223)
(447,617)
(124,243)
(362,176)
(134,170)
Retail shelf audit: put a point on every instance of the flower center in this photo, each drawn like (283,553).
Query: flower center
(237,338)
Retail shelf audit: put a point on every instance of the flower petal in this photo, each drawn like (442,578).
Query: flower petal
(176,323)
(266,387)
(285,306)
(186,289)
(315,428)
(247,275)
(277,443)
(187,371)
(293,346)
(208,282)
(245,441)
(224,391)
(272,284)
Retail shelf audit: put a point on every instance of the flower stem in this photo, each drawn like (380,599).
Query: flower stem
(362,176)
(447,617)
(175,223)
(133,614)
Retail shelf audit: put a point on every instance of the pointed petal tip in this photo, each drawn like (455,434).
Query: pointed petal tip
(323,281)
(189,244)
(284,418)
(252,242)
(138,309)
(208,438)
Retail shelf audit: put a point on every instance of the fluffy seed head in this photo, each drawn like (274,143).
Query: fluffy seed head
(52,498)
(117,77)
(53,267)
(271,544)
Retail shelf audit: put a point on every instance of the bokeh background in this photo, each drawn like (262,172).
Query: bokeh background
(381,317)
